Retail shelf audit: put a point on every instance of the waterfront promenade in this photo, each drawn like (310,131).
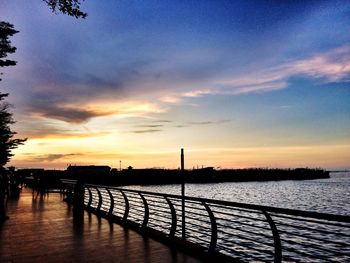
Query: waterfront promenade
(42,229)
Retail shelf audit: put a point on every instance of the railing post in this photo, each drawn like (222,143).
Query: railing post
(183,194)
(70,194)
(98,208)
(276,238)
(146,216)
(173,217)
(214,228)
(78,197)
(127,207)
(90,197)
(111,201)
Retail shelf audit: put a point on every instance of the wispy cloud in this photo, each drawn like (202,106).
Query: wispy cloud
(331,66)
(147,131)
(157,95)
(150,126)
(207,122)
(201,123)
(79,114)
(54,157)
(69,114)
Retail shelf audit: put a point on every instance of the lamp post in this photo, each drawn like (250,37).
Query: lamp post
(183,193)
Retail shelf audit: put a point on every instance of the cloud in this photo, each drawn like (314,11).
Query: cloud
(75,99)
(72,115)
(207,122)
(147,131)
(54,157)
(150,126)
(331,66)
(163,121)
(201,123)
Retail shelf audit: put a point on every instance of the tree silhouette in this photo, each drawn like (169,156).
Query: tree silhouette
(7,142)
(7,30)
(68,7)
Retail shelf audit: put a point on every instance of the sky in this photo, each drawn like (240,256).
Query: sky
(235,83)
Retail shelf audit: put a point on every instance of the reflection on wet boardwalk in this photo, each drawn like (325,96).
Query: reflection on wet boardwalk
(41,229)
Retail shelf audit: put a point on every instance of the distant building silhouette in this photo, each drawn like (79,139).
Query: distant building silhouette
(89,170)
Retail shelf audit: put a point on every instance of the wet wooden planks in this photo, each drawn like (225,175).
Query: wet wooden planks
(42,229)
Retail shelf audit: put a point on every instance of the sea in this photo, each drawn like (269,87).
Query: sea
(330,195)
(244,235)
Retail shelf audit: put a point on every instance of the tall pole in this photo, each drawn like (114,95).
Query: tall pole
(183,193)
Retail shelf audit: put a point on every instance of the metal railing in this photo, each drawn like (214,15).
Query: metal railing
(242,231)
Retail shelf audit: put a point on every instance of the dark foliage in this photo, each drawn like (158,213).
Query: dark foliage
(7,142)
(6,30)
(68,7)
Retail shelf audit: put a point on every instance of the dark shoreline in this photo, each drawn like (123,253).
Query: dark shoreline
(47,179)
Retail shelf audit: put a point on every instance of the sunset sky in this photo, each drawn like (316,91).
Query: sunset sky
(234,83)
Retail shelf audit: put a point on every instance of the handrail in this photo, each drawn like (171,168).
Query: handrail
(287,211)
(241,231)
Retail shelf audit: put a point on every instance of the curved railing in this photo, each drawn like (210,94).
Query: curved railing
(242,231)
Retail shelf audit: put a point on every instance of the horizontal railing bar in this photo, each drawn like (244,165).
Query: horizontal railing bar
(194,224)
(270,245)
(136,211)
(156,215)
(197,219)
(197,203)
(310,228)
(252,247)
(298,252)
(134,199)
(134,218)
(233,251)
(135,205)
(161,220)
(316,215)
(314,246)
(194,213)
(238,215)
(238,229)
(310,221)
(250,225)
(165,208)
(241,216)
(245,255)
(204,241)
(312,237)
(238,209)
(157,225)
(188,233)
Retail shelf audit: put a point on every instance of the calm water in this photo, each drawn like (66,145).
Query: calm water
(323,195)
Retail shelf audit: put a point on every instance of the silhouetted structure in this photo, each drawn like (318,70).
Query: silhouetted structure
(42,180)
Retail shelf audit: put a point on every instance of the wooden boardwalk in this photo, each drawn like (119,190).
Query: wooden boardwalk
(42,229)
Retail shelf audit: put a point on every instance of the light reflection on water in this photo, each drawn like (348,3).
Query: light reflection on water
(323,195)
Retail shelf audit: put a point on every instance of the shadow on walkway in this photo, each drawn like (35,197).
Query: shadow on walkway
(42,229)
